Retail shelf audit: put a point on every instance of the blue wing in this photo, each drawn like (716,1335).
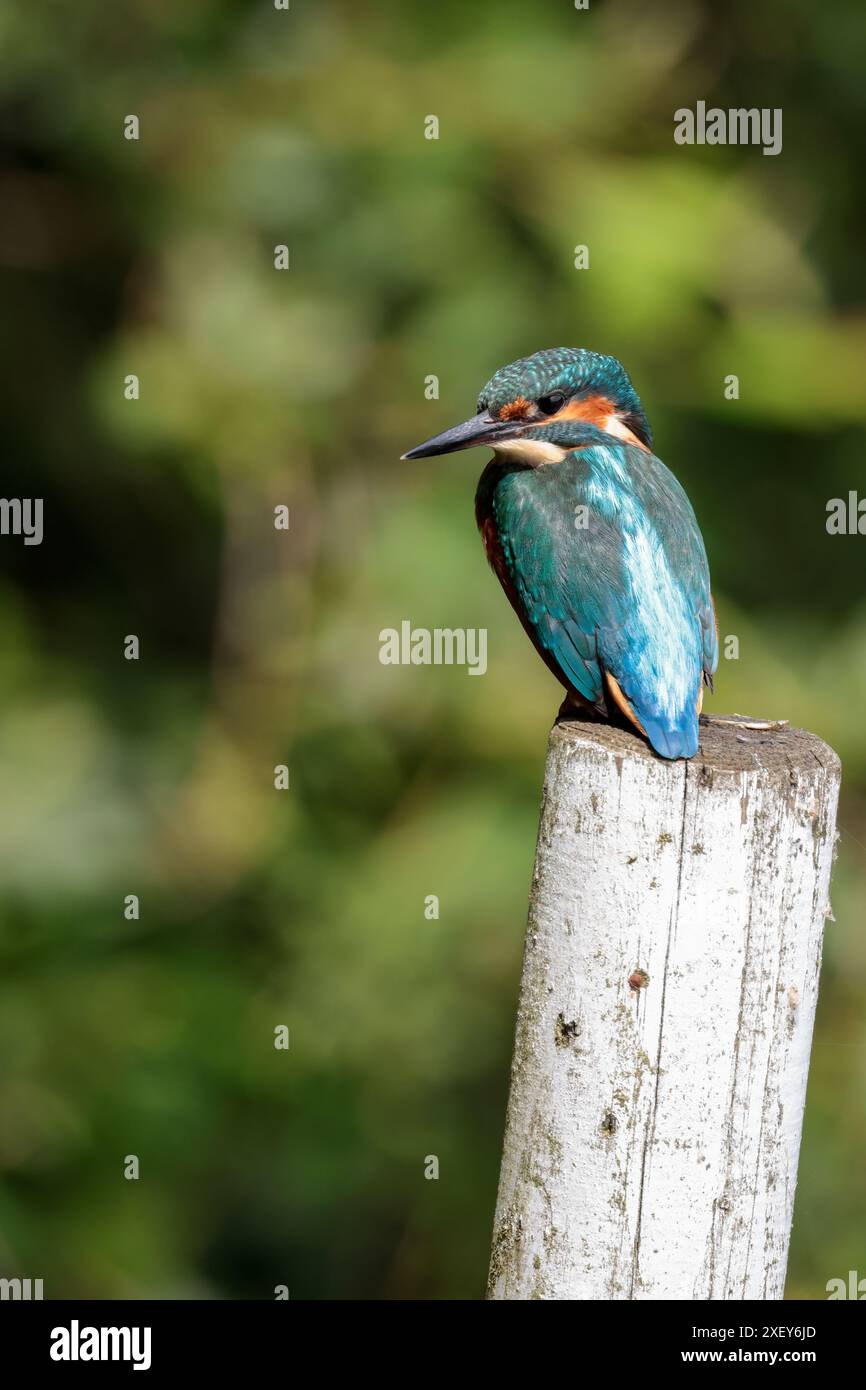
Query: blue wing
(610,572)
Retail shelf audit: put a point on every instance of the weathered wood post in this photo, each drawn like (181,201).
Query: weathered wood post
(668,994)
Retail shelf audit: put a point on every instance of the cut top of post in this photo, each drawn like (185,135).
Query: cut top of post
(728,743)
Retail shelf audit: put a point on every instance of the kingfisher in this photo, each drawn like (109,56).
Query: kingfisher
(594,541)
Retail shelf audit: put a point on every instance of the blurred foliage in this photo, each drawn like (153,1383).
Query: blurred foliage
(408,257)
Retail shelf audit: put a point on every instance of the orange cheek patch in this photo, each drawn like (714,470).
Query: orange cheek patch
(598,411)
(518,409)
(593,409)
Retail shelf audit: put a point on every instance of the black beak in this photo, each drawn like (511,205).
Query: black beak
(481,429)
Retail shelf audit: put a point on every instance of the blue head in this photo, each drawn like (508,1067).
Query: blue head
(547,399)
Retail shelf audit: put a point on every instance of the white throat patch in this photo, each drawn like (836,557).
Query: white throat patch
(614,425)
(532,451)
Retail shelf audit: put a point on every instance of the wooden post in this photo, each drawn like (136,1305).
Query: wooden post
(669,984)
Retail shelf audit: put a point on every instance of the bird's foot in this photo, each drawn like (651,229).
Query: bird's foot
(574,707)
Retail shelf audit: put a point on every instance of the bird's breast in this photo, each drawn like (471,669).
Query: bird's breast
(496,471)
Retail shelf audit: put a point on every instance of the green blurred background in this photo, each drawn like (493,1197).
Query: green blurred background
(409,257)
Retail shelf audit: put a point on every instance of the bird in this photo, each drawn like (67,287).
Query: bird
(594,542)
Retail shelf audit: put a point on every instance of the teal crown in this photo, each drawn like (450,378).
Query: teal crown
(575,372)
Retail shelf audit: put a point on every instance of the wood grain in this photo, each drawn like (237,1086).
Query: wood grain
(667,1001)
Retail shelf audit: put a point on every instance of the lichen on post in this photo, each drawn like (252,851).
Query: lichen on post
(667,1000)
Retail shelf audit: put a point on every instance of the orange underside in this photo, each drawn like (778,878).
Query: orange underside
(623,705)
(621,702)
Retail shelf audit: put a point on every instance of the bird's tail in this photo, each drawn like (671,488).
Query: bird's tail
(673,740)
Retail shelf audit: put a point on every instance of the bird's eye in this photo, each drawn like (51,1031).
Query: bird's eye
(549,405)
